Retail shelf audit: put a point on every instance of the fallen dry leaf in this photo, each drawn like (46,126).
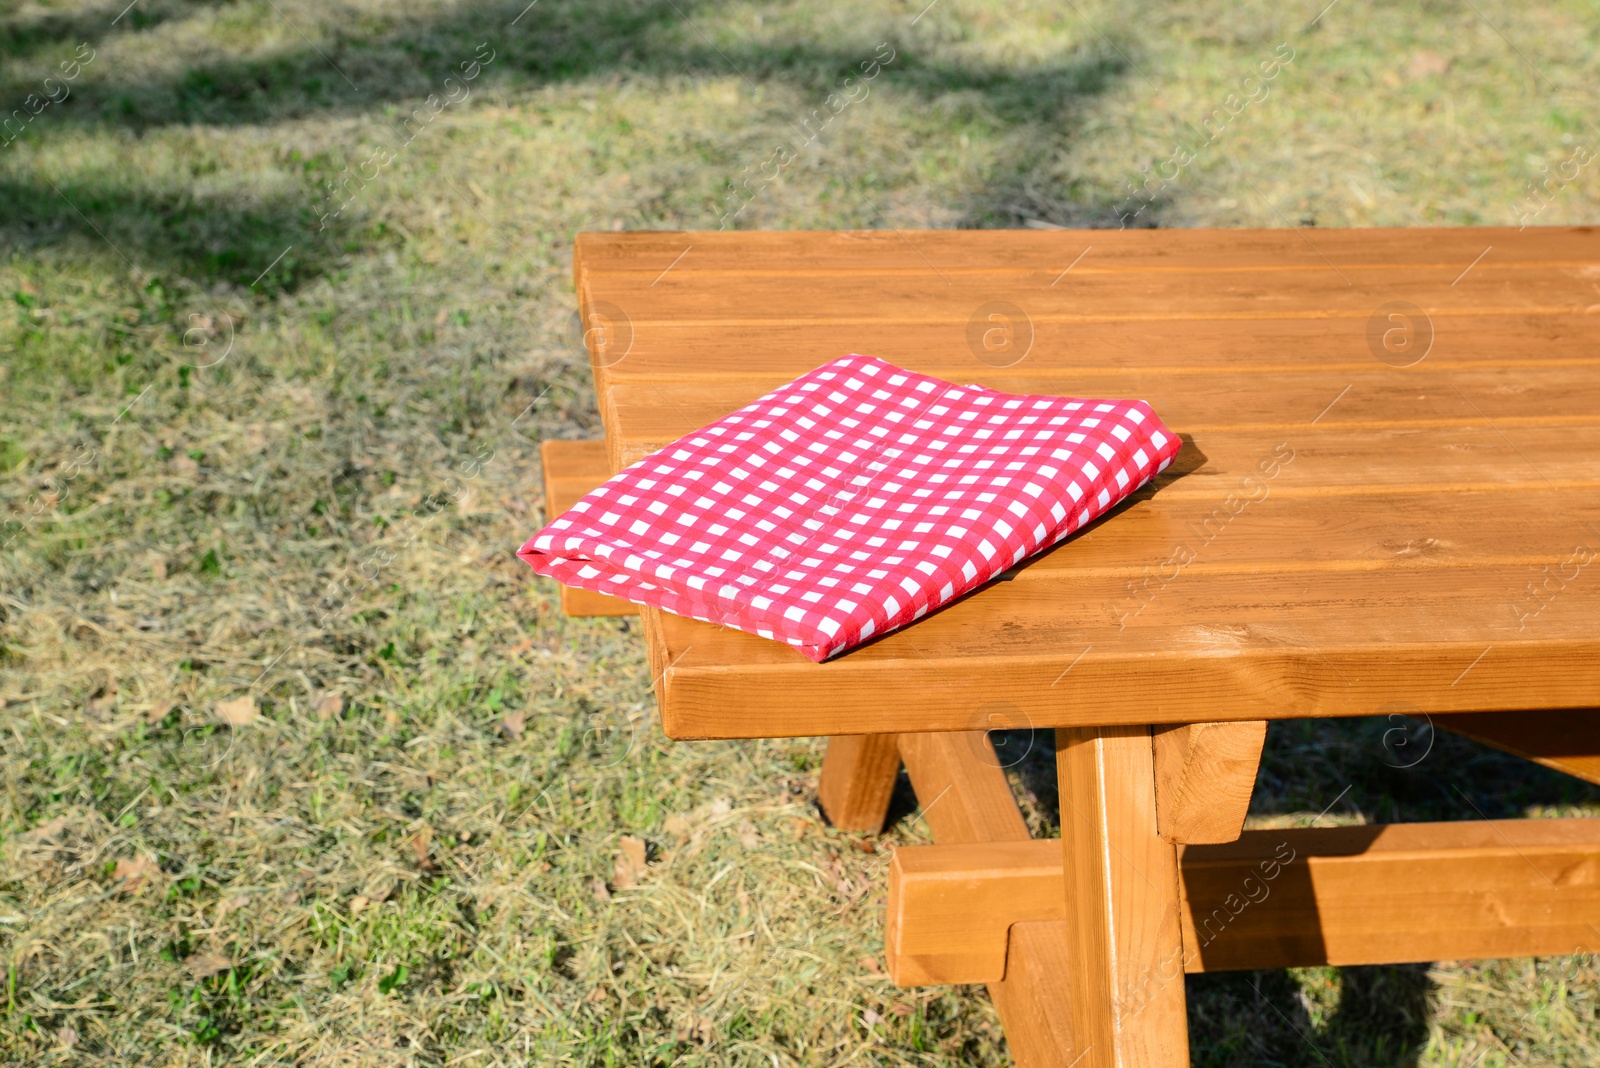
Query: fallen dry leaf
(1425,64)
(185,466)
(601,891)
(630,864)
(67,1037)
(204,965)
(131,872)
(676,826)
(513,725)
(328,704)
(240,712)
(103,701)
(749,837)
(358,903)
(420,844)
(870,964)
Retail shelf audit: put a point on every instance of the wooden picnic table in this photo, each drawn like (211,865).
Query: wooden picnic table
(1386,501)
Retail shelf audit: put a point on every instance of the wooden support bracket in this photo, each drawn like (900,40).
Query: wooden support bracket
(1205,773)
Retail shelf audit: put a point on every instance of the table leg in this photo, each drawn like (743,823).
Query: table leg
(857,780)
(962,788)
(1125,996)
(966,798)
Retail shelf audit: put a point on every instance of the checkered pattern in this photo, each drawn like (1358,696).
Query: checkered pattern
(850,502)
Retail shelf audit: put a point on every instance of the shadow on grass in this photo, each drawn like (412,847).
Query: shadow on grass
(373,61)
(373,66)
(274,244)
(48,36)
(1246,1019)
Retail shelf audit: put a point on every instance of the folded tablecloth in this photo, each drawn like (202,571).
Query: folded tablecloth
(851,502)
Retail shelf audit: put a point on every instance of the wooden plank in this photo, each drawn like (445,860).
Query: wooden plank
(962,787)
(1392,894)
(857,780)
(1268,646)
(858,295)
(1125,1002)
(1350,461)
(1287,898)
(571,469)
(648,416)
(1141,250)
(659,352)
(1536,527)
(1566,741)
(1205,774)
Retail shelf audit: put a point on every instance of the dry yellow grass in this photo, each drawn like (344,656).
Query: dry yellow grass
(298,765)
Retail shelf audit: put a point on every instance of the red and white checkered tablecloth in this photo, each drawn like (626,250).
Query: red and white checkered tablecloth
(851,502)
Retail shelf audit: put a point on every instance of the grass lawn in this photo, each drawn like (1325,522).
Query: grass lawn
(298,765)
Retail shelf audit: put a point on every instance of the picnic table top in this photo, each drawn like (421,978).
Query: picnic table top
(1386,500)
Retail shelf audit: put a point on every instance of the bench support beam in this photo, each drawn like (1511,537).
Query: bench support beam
(1566,741)
(1278,899)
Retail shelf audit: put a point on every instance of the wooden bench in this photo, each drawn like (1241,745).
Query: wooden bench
(571,469)
(1386,500)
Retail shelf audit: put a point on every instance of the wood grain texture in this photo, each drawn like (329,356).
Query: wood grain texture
(1339,533)
(951,907)
(1567,741)
(1191,349)
(1037,984)
(962,787)
(1205,774)
(857,780)
(1126,1002)
(1391,894)
(571,470)
(1303,897)
(791,251)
